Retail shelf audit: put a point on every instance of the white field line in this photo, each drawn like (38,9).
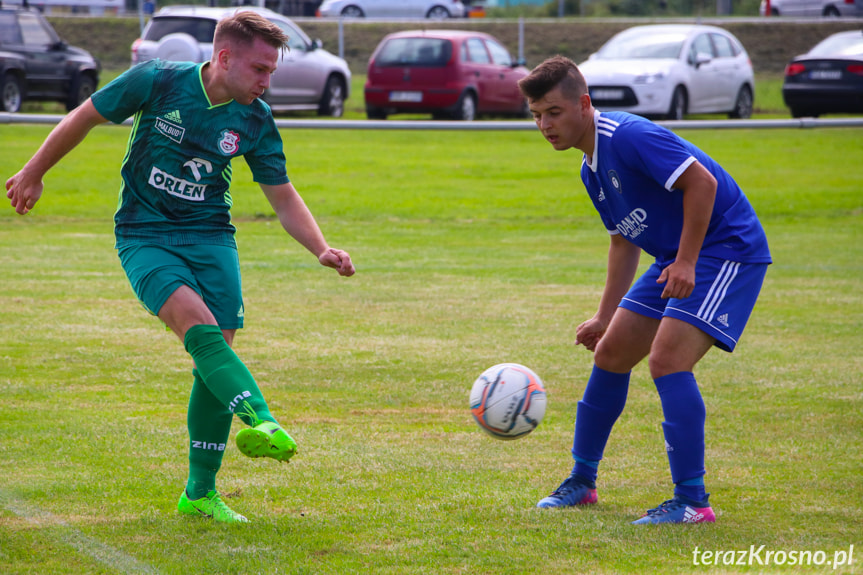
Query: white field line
(70,536)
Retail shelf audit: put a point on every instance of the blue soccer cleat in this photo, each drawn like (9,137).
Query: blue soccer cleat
(678,510)
(575,490)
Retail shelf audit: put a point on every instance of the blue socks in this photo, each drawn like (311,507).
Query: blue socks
(603,402)
(683,427)
(685,415)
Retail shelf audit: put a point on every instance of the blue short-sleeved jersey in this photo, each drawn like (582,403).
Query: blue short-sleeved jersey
(630,180)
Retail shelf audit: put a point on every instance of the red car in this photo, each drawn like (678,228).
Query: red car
(447,73)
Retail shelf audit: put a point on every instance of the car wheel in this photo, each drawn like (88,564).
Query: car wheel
(831,12)
(333,99)
(82,88)
(678,104)
(353,12)
(10,94)
(466,108)
(178,47)
(438,13)
(743,104)
(375,113)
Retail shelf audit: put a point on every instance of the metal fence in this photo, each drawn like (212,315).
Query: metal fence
(322,124)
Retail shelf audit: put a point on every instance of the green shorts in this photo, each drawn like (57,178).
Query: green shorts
(213,271)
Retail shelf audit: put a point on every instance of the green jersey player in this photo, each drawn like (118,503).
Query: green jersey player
(173,229)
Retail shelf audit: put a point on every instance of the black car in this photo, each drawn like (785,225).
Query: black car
(35,64)
(828,79)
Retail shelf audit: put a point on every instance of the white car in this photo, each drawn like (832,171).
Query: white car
(433,9)
(307,78)
(813,8)
(669,71)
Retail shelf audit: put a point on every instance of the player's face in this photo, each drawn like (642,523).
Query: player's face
(564,122)
(249,70)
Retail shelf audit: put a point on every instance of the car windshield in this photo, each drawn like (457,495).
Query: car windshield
(415,52)
(844,45)
(642,44)
(201,29)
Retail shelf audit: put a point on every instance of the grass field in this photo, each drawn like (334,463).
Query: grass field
(471,249)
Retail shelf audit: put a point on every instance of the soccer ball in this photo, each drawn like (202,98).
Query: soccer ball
(507,401)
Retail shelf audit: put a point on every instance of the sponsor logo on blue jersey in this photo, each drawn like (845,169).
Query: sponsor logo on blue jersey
(633,225)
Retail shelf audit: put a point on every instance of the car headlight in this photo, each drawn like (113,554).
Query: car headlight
(651,77)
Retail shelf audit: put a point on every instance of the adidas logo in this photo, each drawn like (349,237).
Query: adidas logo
(668,447)
(601,197)
(690,515)
(723,319)
(174,116)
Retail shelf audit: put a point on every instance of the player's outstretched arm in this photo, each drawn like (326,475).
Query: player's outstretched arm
(299,222)
(25,188)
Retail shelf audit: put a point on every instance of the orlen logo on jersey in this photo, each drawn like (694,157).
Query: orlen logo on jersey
(176,186)
(632,225)
(230,142)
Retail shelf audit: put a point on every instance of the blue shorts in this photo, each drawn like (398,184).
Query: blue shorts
(213,271)
(720,305)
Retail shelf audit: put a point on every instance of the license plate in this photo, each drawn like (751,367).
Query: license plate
(607,94)
(825,75)
(406,96)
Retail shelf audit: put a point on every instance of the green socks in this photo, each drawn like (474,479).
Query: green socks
(209,424)
(223,387)
(227,378)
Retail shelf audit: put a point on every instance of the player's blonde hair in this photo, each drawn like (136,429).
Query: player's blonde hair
(553,72)
(245,25)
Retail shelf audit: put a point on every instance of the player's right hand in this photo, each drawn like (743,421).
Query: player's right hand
(589,333)
(23,193)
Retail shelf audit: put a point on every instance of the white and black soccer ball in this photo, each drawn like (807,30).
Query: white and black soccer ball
(508,401)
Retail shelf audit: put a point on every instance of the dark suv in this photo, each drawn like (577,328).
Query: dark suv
(35,64)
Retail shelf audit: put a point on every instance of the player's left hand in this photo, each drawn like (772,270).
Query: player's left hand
(679,280)
(339,260)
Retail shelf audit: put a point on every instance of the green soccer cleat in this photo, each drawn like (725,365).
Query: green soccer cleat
(211,506)
(267,439)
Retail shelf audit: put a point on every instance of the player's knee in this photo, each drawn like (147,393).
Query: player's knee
(661,363)
(611,358)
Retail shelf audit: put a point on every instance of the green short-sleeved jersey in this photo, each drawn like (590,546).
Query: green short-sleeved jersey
(177,169)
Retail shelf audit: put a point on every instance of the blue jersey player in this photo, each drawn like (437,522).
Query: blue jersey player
(173,228)
(659,194)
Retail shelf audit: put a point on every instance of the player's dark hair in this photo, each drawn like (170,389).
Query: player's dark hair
(244,26)
(555,71)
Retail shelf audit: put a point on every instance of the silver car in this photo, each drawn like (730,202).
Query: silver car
(672,70)
(433,9)
(813,8)
(308,77)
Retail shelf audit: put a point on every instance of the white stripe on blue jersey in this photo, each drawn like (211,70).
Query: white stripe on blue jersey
(606,126)
(669,183)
